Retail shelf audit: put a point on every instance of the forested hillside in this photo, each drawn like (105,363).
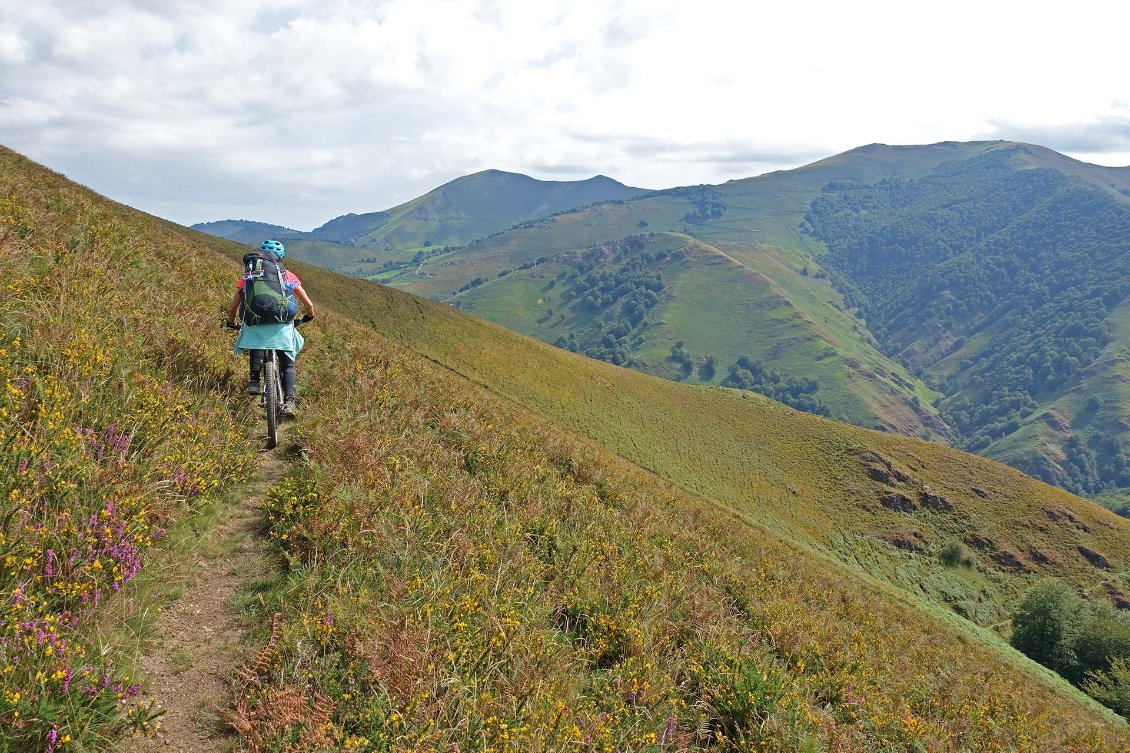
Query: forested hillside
(996,284)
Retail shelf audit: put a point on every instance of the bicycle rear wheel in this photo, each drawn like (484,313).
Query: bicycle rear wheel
(272,391)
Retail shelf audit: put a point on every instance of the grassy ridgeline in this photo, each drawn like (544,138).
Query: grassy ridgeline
(463,573)
(115,423)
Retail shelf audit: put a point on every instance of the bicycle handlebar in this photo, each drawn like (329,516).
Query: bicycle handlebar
(297,322)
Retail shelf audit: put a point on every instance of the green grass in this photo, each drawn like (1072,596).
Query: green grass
(474,567)
(722,305)
(759,232)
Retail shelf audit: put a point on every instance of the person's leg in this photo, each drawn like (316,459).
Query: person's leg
(289,376)
(255,359)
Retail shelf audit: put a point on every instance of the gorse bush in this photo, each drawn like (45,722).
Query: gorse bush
(110,428)
(1111,687)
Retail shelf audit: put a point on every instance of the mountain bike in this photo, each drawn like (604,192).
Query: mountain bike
(271,393)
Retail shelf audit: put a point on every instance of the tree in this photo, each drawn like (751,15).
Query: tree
(1103,637)
(708,368)
(956,554)
(1046,626)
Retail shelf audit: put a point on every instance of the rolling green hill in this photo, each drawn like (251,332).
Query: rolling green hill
(486,541)
(467,208)
(633,301)
(965,292)
(244,231)
(453,214)
(970,293)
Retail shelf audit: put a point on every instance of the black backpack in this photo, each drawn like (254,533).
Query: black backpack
(265,299)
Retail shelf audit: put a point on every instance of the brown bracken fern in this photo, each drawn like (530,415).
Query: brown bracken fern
(259,718)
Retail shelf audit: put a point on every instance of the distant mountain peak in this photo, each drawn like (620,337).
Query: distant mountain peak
(470,207)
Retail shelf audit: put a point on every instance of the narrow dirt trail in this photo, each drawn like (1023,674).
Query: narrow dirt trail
(200,633)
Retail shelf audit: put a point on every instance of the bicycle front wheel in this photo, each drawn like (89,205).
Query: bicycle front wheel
(272,390)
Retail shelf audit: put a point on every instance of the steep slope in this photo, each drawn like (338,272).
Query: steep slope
(884,503)
(119,428)
(1001,281)
(670,305)
(870,388)
(462,574)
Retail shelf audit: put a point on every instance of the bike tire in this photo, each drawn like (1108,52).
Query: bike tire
(272,390)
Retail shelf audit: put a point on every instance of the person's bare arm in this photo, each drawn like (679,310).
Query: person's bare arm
(233,307)
(307,304)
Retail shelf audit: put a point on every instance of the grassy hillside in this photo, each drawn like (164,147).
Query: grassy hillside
(832,486)
(118,421)
(632,301)
(535,594)
(753,222)
(762,211)
(988,269)
(460,573)
(860,383)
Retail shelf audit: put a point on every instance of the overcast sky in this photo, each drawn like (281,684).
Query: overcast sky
(296,111)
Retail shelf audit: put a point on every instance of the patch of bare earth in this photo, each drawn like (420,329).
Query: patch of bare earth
(201,636)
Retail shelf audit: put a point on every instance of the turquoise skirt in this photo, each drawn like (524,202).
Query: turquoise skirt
(284,337)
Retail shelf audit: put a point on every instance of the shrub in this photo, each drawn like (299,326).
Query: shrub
(956,554)
(1046,625)
(1111,688)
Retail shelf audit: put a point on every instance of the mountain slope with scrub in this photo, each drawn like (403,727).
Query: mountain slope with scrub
(464,572)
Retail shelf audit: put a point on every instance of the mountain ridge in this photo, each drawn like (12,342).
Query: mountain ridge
(765,224)
(452,213)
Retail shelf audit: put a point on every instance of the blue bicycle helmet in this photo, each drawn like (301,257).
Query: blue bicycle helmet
(274,247)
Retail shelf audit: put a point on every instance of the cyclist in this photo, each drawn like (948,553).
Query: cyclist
(283,337)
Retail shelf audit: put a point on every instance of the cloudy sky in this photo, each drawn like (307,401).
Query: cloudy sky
(296,111)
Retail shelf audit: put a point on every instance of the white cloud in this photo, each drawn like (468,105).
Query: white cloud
(293,111)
